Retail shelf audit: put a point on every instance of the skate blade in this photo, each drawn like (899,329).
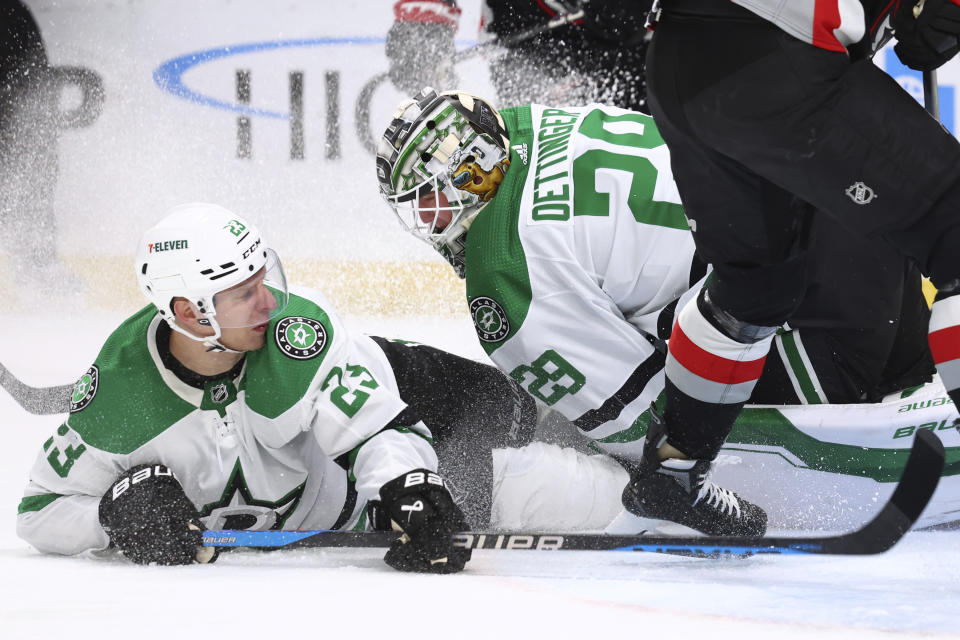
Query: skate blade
(627,523)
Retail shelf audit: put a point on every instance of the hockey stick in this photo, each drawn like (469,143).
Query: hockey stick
(917,484)
(42,401)
(362,110)
(931,96)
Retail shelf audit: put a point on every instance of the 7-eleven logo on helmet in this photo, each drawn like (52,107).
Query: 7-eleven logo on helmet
(167,245)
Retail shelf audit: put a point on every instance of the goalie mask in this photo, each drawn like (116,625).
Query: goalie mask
(217,261)
(439,163)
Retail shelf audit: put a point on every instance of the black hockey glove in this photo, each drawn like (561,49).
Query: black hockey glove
(420,46)
(928,32)
(419,505)
(150,519)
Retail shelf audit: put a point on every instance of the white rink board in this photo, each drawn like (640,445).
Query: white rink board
(151,149)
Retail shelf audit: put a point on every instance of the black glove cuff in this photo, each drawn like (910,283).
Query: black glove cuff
(149,517)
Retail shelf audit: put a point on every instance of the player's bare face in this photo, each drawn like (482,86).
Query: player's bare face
(431,206)
(243,312)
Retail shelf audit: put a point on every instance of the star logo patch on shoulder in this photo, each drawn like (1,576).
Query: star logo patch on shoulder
(489,319)
(300,338)
(85,389)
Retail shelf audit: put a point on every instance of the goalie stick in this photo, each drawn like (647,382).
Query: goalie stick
(917,484)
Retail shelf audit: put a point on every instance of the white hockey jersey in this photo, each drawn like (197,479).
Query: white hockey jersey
(573,271)
(302,438)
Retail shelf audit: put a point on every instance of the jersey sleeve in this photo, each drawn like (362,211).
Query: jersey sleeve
(60,507)
(359,418)
(81,459)
(597,370)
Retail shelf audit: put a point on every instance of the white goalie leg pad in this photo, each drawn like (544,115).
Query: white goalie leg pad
(543,487)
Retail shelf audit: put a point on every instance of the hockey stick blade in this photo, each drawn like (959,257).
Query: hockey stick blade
(917,484)
(41,401)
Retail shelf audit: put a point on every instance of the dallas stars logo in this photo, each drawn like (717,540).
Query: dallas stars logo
(85,389)
(238,509)
(300,338)
(489,319)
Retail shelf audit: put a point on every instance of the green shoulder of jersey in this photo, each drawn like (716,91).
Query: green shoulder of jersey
(498,283)
(279,375)
(122,402)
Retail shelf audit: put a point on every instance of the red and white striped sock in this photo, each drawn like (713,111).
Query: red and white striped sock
(709,366)
(944,339)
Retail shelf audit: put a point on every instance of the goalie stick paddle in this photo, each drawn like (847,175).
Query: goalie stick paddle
(917,484)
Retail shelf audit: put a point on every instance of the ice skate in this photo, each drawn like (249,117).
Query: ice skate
(680,491)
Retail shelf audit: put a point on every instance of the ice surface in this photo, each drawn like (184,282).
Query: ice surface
(909,592)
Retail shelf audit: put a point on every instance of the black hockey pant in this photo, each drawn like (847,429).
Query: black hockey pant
(761,127)
(470,409)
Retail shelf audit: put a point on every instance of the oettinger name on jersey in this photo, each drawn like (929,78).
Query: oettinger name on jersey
(300,338)
(489,318)
(85,389)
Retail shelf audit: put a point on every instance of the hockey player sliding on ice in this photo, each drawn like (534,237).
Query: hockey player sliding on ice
(567,226)
(230,402)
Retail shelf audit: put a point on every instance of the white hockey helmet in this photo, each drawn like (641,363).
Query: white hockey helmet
(439,163)
(199,250)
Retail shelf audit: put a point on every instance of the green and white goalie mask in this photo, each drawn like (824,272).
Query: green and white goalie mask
(216,260)
(439,163)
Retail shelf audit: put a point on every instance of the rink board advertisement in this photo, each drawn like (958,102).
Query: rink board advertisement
(248,104)
(266,108)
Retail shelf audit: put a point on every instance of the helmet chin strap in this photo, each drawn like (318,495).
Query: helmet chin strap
(215,345)
(212,343)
